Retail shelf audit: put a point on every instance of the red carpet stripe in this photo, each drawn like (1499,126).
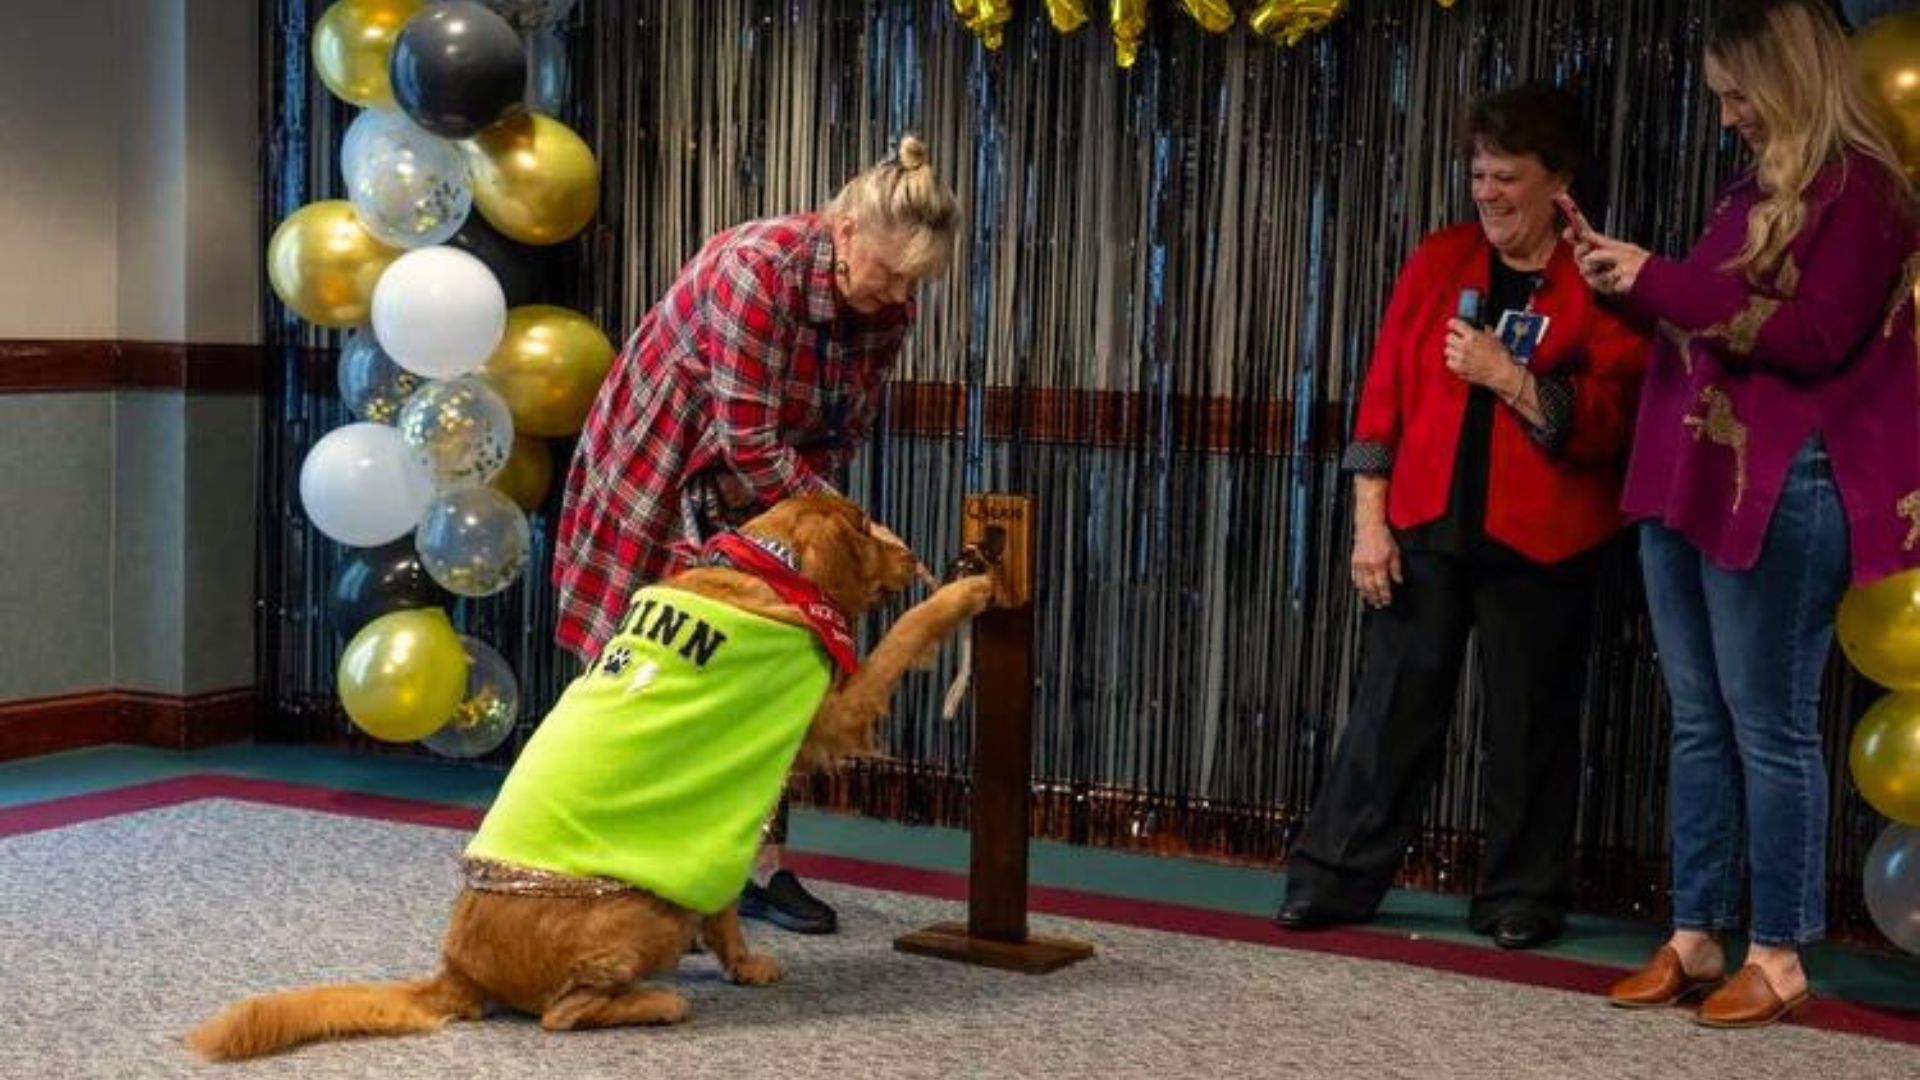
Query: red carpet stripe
(1528,969)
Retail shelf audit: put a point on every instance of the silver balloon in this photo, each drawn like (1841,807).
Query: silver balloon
(409,187)
(474,541)
(487,713)
(546,73)
(366,125)
(1892,885)
(459,431)
(373,387)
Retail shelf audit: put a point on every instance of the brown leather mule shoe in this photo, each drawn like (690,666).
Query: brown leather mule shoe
(1664,981)
(1746,1001)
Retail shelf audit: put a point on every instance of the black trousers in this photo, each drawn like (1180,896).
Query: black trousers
(1532,623)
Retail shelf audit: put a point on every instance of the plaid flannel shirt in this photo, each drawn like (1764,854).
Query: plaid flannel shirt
(750,365)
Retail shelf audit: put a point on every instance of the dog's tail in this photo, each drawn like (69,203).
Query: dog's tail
(274,1022)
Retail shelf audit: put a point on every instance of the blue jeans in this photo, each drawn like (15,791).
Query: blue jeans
(1742,653)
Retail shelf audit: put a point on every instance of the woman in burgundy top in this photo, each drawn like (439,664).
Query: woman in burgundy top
(1775,456)
(754,378)
(1487,470)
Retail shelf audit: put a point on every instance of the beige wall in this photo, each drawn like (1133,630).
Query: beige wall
(129,209)
(59,144)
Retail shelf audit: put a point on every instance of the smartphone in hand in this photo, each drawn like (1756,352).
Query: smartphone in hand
(1582,229)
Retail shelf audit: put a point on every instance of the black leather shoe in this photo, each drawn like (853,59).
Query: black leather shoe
(785,903)
(1524,931)
(1302,915)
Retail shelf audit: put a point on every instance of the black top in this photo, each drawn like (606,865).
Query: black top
(1461,531)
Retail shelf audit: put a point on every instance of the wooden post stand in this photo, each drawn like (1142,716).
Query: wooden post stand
(995,933)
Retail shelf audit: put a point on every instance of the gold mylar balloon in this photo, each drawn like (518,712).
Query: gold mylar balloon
(323,264)
(1213,15)
(403,675)
(1887,57)
(528,473)
(352,44)
(1886,757)
(1879,630)
(1129,21)
(1067,15)
(548,367)
(1289,21)
(533,178)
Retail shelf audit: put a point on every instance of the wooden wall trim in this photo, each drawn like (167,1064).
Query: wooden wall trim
(68,722)
(53,366)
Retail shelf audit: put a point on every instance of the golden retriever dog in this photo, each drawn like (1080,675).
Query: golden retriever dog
(575,950)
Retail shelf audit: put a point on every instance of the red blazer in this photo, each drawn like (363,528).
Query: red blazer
(1546,504)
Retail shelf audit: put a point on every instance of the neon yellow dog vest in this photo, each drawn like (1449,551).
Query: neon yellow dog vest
(660,763)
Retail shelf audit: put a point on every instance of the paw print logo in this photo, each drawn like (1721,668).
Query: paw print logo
(616,661)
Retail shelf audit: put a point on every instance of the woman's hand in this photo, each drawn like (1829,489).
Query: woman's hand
(1479,358)
(1607,265)
(1376,564)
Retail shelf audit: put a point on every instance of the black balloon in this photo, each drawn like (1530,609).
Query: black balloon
(372,582)
(458,68)
(524,270)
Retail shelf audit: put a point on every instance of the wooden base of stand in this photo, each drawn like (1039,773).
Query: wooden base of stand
(1034,956)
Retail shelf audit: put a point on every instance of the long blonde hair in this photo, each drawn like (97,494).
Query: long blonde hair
(1792,61)
(901,197)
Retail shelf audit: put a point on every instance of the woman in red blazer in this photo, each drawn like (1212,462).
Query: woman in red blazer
(1487,458)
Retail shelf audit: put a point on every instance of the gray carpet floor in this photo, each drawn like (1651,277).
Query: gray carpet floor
(118,935)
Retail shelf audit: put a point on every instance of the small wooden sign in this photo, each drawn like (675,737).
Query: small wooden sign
(1003,527)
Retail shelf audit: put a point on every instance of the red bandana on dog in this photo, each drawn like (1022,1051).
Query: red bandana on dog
(747,555)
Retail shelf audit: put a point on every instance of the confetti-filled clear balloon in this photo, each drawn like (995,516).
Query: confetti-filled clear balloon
(366,125)
(460,432)
(372,386)
(409,187)
(487,713)
(474,541)
(546,72)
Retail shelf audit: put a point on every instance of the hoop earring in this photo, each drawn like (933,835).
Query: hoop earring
(841,268)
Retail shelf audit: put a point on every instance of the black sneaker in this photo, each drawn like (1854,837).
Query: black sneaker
(785,903)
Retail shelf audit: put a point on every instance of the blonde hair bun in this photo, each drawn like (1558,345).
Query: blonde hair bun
(913,153)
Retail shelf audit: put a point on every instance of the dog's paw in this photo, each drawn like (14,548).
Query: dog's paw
(970,595)
(755,969)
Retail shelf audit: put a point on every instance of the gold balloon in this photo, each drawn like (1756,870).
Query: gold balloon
(1213,15)
(1290,21)
(1886,55)
(533,178)
(352,43)
(1067,15)
(548,367)
(1129,21)
(403,675)
(528,473)
(1886,757)
(323,264)
(1879,630)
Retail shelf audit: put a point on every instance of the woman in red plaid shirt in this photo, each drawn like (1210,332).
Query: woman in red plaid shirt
(753,379)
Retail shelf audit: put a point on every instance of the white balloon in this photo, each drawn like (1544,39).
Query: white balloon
(439,312)
(359,485)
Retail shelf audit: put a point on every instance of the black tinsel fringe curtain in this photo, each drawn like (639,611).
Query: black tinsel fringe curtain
(1159,313)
